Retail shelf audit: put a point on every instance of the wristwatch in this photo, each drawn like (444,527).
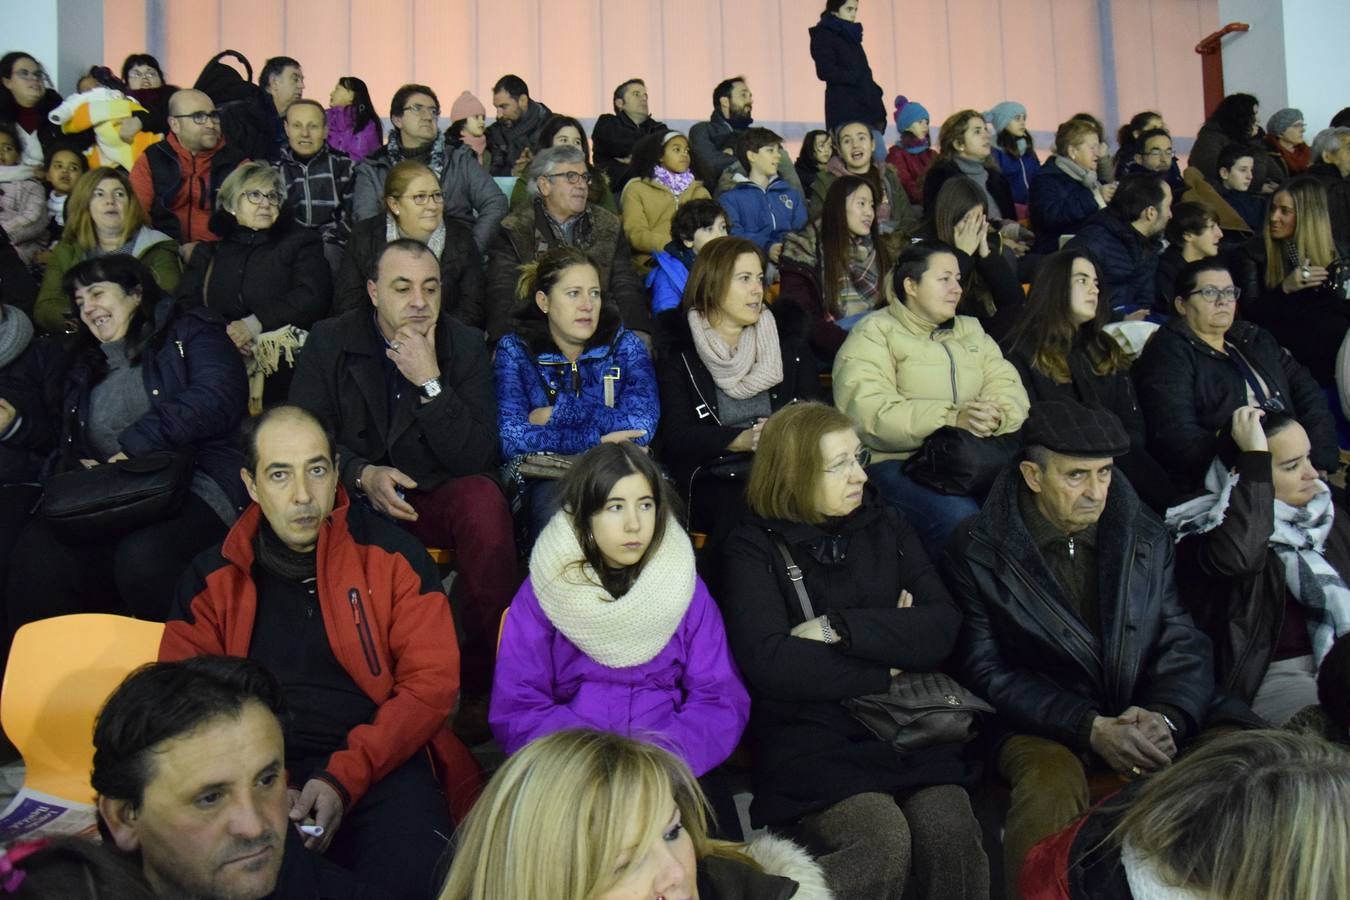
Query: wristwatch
(431,389)
(827,630)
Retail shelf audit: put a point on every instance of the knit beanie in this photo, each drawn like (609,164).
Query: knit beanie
(907,112)
(1282,120)
(466,105)
(1003,113)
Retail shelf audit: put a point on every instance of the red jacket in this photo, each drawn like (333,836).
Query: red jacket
(390,628)
(198,180)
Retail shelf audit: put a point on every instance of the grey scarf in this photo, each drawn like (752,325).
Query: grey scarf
(977,172)
(16,330)
(1082,176)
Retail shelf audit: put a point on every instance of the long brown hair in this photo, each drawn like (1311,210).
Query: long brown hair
(1312,228)
(836,241)
(1046,329)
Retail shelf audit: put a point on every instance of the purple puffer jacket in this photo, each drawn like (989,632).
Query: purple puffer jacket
(689,699)
(359,144)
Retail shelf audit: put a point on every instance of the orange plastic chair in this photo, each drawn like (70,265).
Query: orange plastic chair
(60,672)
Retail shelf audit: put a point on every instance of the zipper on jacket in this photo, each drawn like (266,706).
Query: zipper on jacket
(951,360)
(363,631)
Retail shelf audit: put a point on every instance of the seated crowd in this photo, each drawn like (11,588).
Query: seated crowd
(1052,443)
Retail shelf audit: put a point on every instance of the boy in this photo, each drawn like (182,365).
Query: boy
(1235,180)
(761,206)
(695,223)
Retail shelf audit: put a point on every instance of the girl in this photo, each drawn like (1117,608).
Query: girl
(662,182)
(23,202)
(353,126)
(913,153)
(1015,151)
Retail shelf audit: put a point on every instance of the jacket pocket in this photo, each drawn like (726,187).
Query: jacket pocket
(363,631)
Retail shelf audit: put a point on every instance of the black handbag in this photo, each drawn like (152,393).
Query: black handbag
(953,461)
(108,500)
(920,709)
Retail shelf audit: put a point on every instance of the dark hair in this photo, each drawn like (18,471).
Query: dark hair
(556,123)
(1135,193)
(836,241)
(1333,680)
(51,148)
(304,101)
(104,77)
(693,216)
(129,274)
(406,244)
(1148,136)
(162,700)
(832,6)
(542,274)
(248,431)
(1188,218)
(807,155)
(724,89)
(712,271)
(76,868)
(363,109)
(619,91)
(1008,143)
(1189,276)
(913,262)
(752,140)
(1091,120)
(1341,119)
(9,59)
(401,96)
(274,67)
(1133,130)
(9,128)
(648,151)
(1272,423)
(586,487)
(1230,154)
(1046,332)
(141,59)
(958,196)
(514,86)
(1235,115)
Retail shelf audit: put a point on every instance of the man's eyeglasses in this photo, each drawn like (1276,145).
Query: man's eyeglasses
(860,459)
(1212,295)
(200,117)
(257,197)
(420,109)
(573,177)
(423,199)
(1159,153)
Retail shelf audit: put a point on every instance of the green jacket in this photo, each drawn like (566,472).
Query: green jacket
(156,249)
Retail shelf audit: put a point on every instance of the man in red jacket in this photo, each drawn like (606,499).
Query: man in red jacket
(347,612)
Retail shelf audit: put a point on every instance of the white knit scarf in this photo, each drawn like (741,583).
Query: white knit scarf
(756,363)
(435,243)
(617,633)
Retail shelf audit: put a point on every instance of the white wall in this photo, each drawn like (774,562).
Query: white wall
(66,37)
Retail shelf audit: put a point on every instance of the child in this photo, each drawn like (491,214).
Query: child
(64,165)
(662,182)
(760,206)
(1014,151)
(23,202)
(468,122)
(1235,177)
(913,153)
(353,125)
(695,223)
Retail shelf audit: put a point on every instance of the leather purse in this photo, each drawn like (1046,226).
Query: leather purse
(919,709)
(953,461)
(108,500)
(546,466)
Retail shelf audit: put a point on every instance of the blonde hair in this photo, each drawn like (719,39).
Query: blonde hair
(1312,228)
(788,465)
(402,175)
(1257,815)
(248,174)
(79,228)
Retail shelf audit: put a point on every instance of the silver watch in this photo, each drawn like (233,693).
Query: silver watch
(827,631)
(431,389)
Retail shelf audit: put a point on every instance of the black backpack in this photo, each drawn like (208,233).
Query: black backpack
(223,84)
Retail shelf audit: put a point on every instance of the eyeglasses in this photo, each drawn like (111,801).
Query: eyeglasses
(143,74)
(573,177)
(257,197)
(1212,295)
(860,459)
(420,109)
(30,74)
(424,198)
(1158,153)
(201,117)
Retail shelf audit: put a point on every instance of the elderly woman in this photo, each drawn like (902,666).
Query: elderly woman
(854,155)
(266,276)
(143,377)
(965,148)
(1067,192)
(414,208)
(1289,154)
(103,217)
(889,818)
(1203,364)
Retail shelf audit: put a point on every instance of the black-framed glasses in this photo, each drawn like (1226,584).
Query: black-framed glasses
(200,117)
(573,177)
(256,197)
(421,109)
(860,459)
(1212,295)
(424,198)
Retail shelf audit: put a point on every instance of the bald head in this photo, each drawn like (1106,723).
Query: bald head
(185,108)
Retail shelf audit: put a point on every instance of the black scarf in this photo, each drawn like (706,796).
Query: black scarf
(272,554)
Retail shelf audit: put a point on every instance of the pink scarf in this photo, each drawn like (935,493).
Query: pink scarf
(754,366)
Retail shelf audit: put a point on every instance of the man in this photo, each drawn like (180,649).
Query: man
(409,393)
(1153,153)
(519,120)
(256,125)
(189,768)
(558,181)
(318,178)
(471,196)
(1123,239)
(713,143)
(1331,165)
(615,133)
(1073,630)
(176,180)
(370,681)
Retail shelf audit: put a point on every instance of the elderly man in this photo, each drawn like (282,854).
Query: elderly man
(558,181)
(1073,629)
(1331,165)
(318,178)
(471,196)
(519,120)
(615,133)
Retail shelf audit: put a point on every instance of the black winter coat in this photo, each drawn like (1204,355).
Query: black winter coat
(942,169)
(32,384)
(1338,199)
(613,137)
(809,751)
(462,279)
(851,95)
(1058,206)
(1188,391)
(507,141)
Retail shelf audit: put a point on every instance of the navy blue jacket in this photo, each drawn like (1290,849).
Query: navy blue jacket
(1127,262)
(850,93)
(1059,206)
(1019,171)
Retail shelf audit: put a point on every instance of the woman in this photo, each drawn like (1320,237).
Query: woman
(1014,151)
(1279,802)
(918,367)
(1286,150)
(103,217)
(570,376)
(1284,273)
(26,99)
(144,78)
(23,202)
(613,629)
(1234,121)
(662,181)
(415,208)
(854,144)
(1106,170)
(1062,353)
(833,268)
(353,125)
(817,148)
(966,149)
(990,290)
(841,62)
(586,815)
(887,817)
(563,131)
(266,276)
(1067,192)
(143,376)
(1203,364)
(913,154)
(1192,233)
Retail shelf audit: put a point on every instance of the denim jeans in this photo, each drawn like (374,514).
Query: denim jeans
(934,516)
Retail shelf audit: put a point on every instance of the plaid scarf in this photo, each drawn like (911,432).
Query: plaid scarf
(860,287)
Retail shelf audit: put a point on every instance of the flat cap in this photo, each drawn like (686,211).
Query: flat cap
(1075,429)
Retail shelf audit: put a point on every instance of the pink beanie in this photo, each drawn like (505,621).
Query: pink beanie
(466,105)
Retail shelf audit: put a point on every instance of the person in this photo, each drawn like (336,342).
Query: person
(414,208)
(615,134)
(516,129)
(1106,170)
(1124,240)
(1276,795)
(353,125)
(834,268)
(855,146)
(645,828)
(1153,153)
(903,374)
(408,393)
(145,83)
(72,867)
(143,377)
(817,148)
(1192,233)
(103,217)
(470,194)
(1285,274)
(63,165)
(713,142)
(725,362)
(1236,120)
(1236,171)
(266,276)
(1289,155)
(1060,552)
(695,223)
(1130,135)
(883,820)
(318,178)
(1230,207)
(1259,562)
(195,818)
(569,376)
(613,629)
(26,99)
(1014,151)
(178,178)
(760,206)
(283,83)
(1203,364)
(851,94)
(23,202)
(468,125)
(965,148)
(558,181)
(913,153)
(560,131)
(661,182)
(1331,165)
(1061,350)
(370,682)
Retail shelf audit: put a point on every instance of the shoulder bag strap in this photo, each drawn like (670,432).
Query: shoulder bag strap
(794,574)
